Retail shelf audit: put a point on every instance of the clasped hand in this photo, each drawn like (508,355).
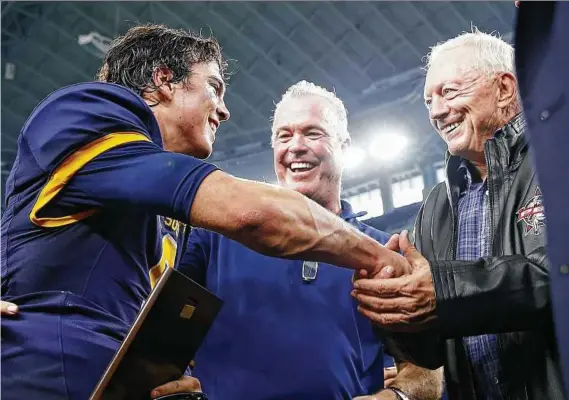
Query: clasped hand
(400,296)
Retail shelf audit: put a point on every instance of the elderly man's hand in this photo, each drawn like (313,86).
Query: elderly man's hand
(406,303)
(184,384)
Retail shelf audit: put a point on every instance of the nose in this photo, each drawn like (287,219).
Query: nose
(439,109)
(223,111)
(297,143)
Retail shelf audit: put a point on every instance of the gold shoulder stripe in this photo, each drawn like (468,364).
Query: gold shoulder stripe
(69,167)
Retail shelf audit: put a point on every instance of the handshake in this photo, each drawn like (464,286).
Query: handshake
(400,296)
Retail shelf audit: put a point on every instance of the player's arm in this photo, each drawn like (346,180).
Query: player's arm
(280,222)
(269,219)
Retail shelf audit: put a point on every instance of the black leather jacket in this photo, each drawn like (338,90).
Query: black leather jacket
(506,293)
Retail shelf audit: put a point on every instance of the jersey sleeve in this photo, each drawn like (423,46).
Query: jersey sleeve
(100,147)
(137,175)
(87,117)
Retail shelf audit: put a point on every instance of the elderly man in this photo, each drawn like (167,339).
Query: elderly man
(289,329)
(480,274)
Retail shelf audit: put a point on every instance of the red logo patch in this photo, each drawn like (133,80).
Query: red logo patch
(532,214)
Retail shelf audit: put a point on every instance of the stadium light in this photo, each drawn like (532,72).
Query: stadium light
(388,146)
(354,157)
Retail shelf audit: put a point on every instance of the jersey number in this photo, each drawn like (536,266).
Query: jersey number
(168,259)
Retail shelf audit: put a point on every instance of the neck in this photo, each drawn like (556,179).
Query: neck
(478,160)
(162,124)
(480,166)
(332,204)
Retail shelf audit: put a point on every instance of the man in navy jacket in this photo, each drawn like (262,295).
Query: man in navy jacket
(542,63)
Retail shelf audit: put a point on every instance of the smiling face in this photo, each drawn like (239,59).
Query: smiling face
(308,151)
(194,112)
(466,107)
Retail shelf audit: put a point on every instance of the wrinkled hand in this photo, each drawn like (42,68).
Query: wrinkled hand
(8,308)
(406,303)
(184,384)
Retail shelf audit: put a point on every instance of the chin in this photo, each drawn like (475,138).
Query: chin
(300,188)
(201,149)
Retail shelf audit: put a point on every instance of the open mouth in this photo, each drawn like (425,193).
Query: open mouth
(301,167)
(449,129)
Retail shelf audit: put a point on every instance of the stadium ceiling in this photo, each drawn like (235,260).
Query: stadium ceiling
(368,52)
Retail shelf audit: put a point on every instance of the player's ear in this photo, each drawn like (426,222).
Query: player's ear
(162,79)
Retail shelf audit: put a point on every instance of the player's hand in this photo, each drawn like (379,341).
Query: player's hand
(517,4)
(184,384)
(8,308)
(391,264)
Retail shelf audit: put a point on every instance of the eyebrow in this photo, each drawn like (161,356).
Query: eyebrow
(315,126)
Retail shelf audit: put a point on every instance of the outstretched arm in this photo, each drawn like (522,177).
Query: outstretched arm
(283,223)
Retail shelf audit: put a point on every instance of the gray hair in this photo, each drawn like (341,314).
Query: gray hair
(493,54)
(305,89)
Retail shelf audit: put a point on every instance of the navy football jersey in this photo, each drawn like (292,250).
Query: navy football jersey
(80,234)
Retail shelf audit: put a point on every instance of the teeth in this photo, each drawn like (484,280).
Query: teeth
(450,127)
(300,165)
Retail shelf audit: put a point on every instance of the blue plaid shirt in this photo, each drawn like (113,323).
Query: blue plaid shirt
(473,243)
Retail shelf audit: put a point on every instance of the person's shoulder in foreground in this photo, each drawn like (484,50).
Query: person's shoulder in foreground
(542,40)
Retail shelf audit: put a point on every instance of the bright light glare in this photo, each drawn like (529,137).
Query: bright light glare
(389,146)
(354,157)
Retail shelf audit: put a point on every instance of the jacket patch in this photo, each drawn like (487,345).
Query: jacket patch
(532,215)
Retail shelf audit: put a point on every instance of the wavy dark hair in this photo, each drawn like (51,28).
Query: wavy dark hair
(132,58)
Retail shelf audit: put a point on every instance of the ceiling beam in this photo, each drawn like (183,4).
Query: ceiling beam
(496,13)
(44,48)
(251,43)
(358,32)
(458,14)
(438,36)
(297,48)
(386,22)
(329,41)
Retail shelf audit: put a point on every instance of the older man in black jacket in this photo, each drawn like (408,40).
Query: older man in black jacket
(480,275)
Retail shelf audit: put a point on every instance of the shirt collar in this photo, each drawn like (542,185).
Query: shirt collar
(466,177)
(348,213)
